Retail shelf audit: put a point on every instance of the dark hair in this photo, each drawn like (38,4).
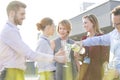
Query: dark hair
(116,10)
(43,23)
(15,5)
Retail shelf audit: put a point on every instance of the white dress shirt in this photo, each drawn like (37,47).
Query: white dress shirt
(13,51)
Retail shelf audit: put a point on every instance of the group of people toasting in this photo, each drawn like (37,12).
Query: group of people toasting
(97,62)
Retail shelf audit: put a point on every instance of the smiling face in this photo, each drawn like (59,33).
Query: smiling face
(62,30)
(16,12)
(91,24)
(88,25)
(19,16)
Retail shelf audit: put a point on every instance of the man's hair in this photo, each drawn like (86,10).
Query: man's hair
(15,5)
(116,10)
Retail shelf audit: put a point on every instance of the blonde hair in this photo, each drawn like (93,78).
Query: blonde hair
(43,23)
(66,24)
(15,5)
(93,19)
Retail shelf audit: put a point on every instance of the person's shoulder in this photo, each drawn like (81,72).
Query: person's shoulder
(7,30)
(71,40)
(56,40)
(41,41)
(113,31)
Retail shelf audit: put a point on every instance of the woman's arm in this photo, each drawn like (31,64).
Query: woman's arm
(52,43)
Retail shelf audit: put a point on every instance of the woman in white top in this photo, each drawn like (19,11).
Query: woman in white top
(46,26)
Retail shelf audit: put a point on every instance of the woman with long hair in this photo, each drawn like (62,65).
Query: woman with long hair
(94,56)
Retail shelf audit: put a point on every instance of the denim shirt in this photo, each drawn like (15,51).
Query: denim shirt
(111,39)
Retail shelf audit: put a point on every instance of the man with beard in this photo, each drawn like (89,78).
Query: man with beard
(13,51)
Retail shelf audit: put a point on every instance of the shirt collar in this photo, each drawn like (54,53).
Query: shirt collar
(43,36)
(12,25)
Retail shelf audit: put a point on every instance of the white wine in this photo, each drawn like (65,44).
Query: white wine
(75,48)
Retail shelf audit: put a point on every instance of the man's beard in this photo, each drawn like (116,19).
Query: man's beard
(16,20)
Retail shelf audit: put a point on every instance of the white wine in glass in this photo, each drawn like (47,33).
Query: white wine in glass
(67,49)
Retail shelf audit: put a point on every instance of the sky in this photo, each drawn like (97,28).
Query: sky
(38,9)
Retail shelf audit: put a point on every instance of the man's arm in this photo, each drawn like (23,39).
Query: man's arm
(97,40)
(13,40)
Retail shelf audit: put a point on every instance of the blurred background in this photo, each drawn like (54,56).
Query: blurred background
(72,10)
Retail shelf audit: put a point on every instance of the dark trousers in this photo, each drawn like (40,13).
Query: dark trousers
(2,75)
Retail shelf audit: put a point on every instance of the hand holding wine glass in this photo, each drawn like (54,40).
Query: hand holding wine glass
(77,48)
(67,49)
(60,56)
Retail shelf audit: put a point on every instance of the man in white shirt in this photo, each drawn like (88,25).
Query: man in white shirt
(13,51)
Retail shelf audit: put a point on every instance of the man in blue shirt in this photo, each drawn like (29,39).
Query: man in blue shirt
(111,39)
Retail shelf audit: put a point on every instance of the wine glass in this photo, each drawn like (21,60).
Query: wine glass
(67,49)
